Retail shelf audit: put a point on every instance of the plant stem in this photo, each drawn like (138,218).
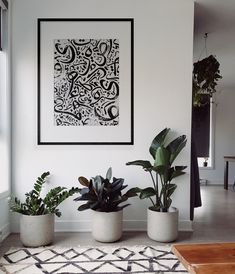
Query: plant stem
(157,191)
(152,201)
(162,182)
(155,184)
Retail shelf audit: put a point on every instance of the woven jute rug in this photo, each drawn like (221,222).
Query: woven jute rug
(100,260)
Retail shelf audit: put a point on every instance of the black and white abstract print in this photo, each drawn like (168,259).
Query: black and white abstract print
(86,82)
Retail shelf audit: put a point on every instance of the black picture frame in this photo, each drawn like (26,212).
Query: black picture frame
(130,136)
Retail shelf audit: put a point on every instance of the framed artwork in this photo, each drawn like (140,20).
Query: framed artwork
(85,81)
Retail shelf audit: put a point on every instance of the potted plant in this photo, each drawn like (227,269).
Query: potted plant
(37,213)
(162,222)
(206,74)
(205,163)
(104,198)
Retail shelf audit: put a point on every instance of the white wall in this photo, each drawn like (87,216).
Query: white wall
(5,128)
(163,64)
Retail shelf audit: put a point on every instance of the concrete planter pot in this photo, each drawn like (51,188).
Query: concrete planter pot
(163,226)
(107,226)
(37,230)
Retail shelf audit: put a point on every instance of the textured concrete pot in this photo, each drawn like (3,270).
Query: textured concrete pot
(107,226)
(163,226)
(37,230)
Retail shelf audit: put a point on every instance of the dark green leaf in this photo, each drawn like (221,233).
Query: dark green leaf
(132,192)
(147,192)
(160,169)
(158,141)
(145,164)
(176,173)
(176,146)
(169,189)
(180,167)
(162,157)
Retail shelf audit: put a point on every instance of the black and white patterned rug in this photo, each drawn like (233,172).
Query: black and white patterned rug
(99,260)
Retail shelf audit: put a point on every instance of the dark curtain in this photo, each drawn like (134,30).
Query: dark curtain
(201,128)
(200,145)
(195,193)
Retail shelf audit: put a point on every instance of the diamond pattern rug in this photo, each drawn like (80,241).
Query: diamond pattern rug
(99,260)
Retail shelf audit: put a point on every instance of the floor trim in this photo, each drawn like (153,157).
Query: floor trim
(128,225)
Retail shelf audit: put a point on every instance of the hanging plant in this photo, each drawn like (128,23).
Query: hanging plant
(206,74)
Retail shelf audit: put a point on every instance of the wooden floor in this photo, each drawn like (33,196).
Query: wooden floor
(207,258)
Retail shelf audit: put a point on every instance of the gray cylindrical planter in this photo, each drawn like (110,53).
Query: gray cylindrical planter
(107,226)
(163,226)
(37,230)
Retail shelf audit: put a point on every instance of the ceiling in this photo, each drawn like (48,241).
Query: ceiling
(217,18)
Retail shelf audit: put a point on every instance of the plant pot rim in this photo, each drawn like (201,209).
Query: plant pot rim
(120,210)
(172,210)
(37,215)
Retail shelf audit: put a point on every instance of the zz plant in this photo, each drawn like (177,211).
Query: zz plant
(163,155)
(103,195)
(36,205)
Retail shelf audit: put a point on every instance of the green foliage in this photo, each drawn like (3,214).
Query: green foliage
(103,195)
(36,205)
(206,74)
(164,156)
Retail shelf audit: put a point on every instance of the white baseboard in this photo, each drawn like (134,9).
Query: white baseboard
(128,225)
(4,231)
(215,183)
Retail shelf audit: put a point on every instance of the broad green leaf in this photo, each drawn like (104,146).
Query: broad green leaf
(145,164)
(132,192)
(147,192)
(180,167)
(160,169)
(158,141)
(168,190)
(83,181)
(176,173)
(162,157)
(176,146)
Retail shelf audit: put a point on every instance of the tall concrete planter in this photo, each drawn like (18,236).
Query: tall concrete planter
(37,230)
(163,226)
(107,226)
